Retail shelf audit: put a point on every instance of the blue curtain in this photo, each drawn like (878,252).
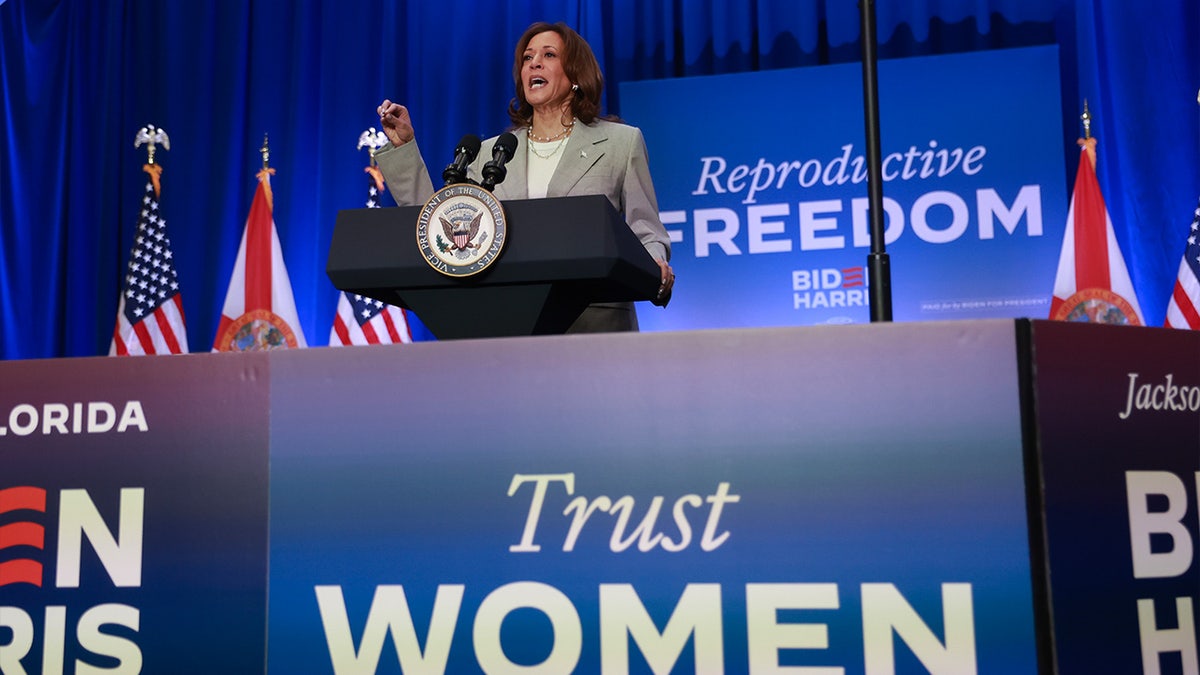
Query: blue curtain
(81,77)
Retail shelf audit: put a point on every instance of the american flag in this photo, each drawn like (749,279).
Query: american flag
(365,321)
(1183,310)
(150,313)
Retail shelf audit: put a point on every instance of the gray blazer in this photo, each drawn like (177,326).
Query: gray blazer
(603,157)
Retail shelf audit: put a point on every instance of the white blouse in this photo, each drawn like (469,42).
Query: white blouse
(543,160)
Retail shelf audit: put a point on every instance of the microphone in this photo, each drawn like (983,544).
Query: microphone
(464,154)
(494,171)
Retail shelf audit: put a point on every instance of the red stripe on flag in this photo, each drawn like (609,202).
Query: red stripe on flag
(22,498)
(258,254)
(1055,303)
(22,534)
(144,337)
(118,339)
(1091,230)
(222,325)
(168,333)
(339,327)
(178,300)
(407,326)
(21,571)
(1184,304)
(391,326)
(369,333)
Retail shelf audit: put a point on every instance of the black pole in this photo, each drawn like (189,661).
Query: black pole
(879,270)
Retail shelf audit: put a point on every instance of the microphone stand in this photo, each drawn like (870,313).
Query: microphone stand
(879,273)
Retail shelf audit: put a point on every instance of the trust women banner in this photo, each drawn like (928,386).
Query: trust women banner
(762,184)
(706,501)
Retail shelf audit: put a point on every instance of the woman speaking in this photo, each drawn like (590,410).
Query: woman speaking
(563,148)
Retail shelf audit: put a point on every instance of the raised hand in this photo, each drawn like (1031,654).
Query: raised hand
(397,125)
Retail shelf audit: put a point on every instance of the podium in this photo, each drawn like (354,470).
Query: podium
(563,253)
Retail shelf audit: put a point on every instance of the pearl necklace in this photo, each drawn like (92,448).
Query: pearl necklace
(558,146)
(566,130)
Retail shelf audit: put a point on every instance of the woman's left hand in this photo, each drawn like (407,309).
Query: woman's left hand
(666,284)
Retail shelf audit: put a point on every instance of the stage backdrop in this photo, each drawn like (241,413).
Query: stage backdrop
(766,201)
(218,76)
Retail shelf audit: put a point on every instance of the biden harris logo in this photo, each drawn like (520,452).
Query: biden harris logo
(44,573)
(830,288)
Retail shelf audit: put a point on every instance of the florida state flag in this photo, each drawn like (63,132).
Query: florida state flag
(1092,284)
(260,310)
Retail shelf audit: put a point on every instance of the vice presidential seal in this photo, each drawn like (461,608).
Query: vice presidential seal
(461,230)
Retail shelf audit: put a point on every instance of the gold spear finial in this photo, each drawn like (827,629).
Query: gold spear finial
(1087,121)
(151,136)
(266,153)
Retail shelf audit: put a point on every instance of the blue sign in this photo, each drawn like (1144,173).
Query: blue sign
(712,502)
(761,181)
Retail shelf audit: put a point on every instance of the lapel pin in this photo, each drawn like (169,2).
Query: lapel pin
(583,154)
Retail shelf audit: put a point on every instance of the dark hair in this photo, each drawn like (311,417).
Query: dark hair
(578,63)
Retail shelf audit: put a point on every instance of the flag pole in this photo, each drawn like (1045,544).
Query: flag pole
(266,153)
(878,264)
(1087,141)
(264,174)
